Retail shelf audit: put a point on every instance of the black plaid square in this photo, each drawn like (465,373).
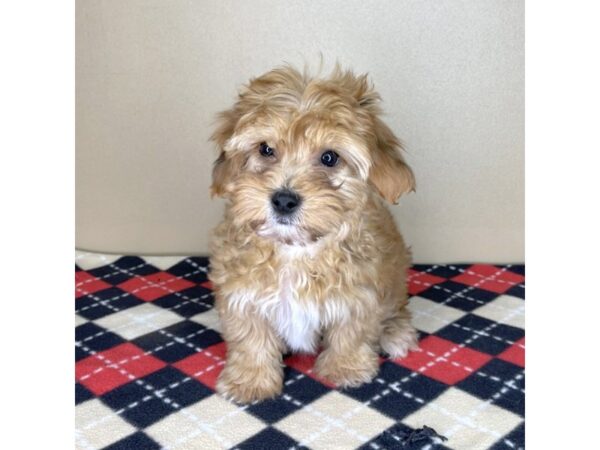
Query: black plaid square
(500,381)
(443,271)
(133,265)
(176,342)
(192,269)
(189,302)
(102,303)
(457,295)
(481,334)
(114,275)
(150,399)
(269,438)
(94,338)
(518,290)
(134,441)
(519,269)
(82,394)
(397,391)
(123,269)
(301,389)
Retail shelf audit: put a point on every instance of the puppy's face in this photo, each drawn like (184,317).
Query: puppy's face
(299,156)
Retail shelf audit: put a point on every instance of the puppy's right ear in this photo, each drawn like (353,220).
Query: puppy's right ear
(226,167)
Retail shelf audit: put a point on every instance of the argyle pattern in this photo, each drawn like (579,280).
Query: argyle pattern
(148,353)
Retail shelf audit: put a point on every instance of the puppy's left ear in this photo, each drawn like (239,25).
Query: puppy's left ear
(389,174)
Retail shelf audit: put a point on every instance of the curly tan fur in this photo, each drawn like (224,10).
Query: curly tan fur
(334,276)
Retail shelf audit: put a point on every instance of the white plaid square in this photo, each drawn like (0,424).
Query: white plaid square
(163,262)
(88,261)
(504,309)
(430,316)
(209,319)
(79,320)
(139,320)
(334,421)
(210,423)
(92,419)
(467,421)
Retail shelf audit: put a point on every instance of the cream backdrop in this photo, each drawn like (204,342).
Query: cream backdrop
(151,74)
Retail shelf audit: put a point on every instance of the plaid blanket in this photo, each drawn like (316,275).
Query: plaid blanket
(148,352)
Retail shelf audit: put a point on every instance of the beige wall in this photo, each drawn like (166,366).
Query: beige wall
(151,74)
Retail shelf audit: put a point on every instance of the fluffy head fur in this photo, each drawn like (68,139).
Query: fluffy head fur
(299,118)
(333,271)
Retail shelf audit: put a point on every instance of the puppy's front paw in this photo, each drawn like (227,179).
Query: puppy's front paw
(249,384)
(348,370)
(397,341)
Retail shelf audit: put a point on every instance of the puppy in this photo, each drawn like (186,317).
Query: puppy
(308,256)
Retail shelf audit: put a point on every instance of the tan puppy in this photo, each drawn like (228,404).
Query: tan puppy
(308,255)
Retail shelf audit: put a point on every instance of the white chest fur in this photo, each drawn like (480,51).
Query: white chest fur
(296,321)
(300,321)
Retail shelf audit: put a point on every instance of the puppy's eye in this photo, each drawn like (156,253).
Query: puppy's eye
(265,150)
(329,158)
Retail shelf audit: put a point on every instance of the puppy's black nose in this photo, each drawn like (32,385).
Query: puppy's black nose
(285,202)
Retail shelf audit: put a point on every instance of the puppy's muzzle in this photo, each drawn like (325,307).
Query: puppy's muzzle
(285,202)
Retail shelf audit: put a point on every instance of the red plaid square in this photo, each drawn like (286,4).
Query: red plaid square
(489,277)
(443,360)
(107,370)
(305,363)
(421,281)
(205,366)
(151,287)
(207,285)
(88,284)
(515,353)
